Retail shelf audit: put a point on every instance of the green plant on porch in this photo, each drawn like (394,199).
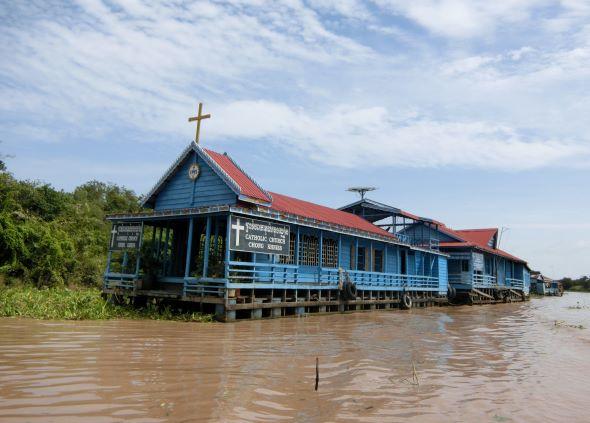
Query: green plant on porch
(151,263)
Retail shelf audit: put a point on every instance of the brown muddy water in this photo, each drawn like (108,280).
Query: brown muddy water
(497,363)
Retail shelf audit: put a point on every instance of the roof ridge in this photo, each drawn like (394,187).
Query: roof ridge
(167,173)
(331,209)
(476,230)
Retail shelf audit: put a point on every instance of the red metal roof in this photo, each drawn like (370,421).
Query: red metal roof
(246,184)
(477,236)
(285,204)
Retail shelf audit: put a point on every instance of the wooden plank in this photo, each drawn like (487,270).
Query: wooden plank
(483,294)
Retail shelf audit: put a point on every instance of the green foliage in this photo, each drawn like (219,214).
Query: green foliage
(50,237)
(151,262)
(83,304)
(580,284)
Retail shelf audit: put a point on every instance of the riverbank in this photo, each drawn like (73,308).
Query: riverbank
(82,304)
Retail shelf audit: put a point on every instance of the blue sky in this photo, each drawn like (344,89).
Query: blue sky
(475,113)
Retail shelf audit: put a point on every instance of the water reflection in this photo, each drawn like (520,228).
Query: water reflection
(507,362)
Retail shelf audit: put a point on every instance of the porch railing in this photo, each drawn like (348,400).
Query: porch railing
(241,275)
(428,243)
(477,280)
(483,281)
(515,283)
(119,280)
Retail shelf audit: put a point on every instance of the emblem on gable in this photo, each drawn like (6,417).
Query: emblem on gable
(194,171)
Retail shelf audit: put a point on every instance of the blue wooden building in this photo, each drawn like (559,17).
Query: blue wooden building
(478,271)
(211,235)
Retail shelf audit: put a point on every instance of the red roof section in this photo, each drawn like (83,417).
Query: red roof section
(246,184)
(285,204)
(477,236)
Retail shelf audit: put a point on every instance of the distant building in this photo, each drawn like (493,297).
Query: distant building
(477,269)
(544,285)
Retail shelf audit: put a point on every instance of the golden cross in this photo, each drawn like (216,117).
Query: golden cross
(198,118)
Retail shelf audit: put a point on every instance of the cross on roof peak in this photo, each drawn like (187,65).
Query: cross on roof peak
(200,116)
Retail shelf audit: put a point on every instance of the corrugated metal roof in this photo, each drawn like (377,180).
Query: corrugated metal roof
(294,206)
(247,185)
(286,204)
(478,236)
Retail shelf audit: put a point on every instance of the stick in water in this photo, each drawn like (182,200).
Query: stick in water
(415,375)
(317,372)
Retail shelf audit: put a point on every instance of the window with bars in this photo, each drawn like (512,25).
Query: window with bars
(361,258)
(309,250)
(289,259)
(378,260)
(329,253)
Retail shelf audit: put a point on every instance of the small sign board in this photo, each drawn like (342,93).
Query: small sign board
(126,236)
(477,261)
(258,236)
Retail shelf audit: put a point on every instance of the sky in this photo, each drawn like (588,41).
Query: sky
(475,113)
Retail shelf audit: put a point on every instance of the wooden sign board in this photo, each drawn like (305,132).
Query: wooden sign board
(258,236)
(126,236)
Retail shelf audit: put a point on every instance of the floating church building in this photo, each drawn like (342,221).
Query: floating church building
(220,239)
(211,235)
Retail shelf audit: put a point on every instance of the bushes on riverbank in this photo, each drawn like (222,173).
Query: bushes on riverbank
(580,285)
(82,304)
(50,237)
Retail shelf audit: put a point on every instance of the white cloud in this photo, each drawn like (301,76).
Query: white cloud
(139,68)
(371,137)
(462,18)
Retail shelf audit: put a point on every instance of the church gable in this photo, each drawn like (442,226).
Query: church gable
(192,184)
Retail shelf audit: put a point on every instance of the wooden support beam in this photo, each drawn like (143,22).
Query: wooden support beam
(227,250)
(206,247)
(167,239)
(189,247)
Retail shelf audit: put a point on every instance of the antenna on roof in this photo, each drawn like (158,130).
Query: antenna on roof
(361,190)
(502,230)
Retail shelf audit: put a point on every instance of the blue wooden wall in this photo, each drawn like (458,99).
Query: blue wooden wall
(181,192)
(443,274)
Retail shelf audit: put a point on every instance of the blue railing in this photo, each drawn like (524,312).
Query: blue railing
(483,281)
(476,280)
(119,280)
(427,243)
(515,283)
(244,275)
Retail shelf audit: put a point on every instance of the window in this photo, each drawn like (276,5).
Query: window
(329,253)
(403,262)
(464,265)
(361,257)
(309,251)
(352,257)
(289,259)
(378,260)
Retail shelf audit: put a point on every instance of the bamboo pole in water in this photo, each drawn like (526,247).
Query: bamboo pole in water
(317,373)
